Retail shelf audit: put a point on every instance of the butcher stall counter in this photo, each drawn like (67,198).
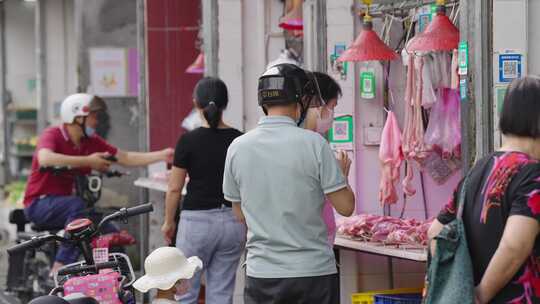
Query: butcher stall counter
(401,252)
(346,250)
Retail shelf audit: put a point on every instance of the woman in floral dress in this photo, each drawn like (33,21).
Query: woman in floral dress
(502,205)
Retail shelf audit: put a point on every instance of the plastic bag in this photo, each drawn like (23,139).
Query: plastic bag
(443,134)
(429,98)
(192,121)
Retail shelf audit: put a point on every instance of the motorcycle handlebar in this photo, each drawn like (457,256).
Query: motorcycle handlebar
(87,268)
(35,242)
(124,213)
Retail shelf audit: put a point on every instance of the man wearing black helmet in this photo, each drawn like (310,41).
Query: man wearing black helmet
(277,176)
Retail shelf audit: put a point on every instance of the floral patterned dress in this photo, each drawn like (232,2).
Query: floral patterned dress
(501,185)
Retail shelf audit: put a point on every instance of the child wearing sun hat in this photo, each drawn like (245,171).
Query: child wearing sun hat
(167,270)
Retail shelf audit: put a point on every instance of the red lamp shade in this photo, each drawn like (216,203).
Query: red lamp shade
(440,35)
(292,20)
(368,46)
(197,67)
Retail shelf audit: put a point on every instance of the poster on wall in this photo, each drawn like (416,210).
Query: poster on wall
(510,66)
(339,69)
(341,133)
(424,16)
(114,72)
(463,58)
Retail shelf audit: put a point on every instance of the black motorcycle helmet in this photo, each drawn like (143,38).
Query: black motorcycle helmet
(285,84)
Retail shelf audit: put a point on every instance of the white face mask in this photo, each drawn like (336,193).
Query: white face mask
(325,117)
(182,287)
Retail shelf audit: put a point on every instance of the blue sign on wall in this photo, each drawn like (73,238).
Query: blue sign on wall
(510,67)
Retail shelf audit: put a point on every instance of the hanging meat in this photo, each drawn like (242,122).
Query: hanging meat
(455,76)
(413,132)
(409,93)
(414,147)
(390,156)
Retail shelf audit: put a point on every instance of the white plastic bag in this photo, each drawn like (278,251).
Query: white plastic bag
(192,121)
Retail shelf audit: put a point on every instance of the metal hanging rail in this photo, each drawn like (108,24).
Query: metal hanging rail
(399,8)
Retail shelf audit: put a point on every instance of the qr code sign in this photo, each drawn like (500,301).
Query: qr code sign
(101,255)
(341,130)
(367,85)
(510,69)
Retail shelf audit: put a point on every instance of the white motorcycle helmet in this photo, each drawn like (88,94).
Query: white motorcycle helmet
(75,105)
(81,104)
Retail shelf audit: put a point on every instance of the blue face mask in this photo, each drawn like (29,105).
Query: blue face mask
(89,131)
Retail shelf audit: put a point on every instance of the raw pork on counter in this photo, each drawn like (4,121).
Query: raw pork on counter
(385,229)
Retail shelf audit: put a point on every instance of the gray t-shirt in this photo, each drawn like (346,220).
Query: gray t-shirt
(280,174)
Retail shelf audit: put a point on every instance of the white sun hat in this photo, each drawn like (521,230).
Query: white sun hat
(164,267)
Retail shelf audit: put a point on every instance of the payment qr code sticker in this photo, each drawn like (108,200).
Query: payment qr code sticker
(101,255)
(341,130)
(510,67)
(367,85)
(341,133)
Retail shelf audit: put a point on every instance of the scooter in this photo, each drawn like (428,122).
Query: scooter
(28,273)
(102,278)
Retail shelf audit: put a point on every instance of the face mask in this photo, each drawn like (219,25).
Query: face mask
(324,123)
(182,287)
(89,131)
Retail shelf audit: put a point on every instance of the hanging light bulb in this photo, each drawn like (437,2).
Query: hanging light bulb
(368,46)
(197,67)
(440,35)
(293,19)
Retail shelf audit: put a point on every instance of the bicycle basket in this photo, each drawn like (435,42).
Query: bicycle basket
(125,269)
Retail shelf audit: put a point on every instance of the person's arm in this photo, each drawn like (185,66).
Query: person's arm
(515,247)
(341,199)
(433,231)
(47,155)
(135,159)
(231,189)
(237,210)
(96,161)
(172,200)
(446,215)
